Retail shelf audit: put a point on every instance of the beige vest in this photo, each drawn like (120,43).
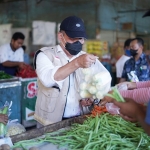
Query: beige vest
(50,103)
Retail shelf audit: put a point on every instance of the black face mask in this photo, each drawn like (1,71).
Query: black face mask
(133,52)
(73,48)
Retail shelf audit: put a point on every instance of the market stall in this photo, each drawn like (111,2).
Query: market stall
(10,90)
(29,93)
(21,90)
(100,132)
(102,128)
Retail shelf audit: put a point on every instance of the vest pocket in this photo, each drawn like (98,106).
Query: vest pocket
(49,99)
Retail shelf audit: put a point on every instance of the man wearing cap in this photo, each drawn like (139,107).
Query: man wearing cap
(59,71)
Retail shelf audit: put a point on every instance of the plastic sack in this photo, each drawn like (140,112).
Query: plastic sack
(112,109)
(13,128)
(4,110)
(95,84)
(132,76)
(122,87)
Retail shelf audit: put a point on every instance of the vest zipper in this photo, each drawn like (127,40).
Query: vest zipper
(67,95)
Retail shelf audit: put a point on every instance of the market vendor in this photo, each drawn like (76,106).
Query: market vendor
(12,54)
(59,71)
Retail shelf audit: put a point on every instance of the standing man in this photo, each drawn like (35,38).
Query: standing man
(11,54)
(59,71)
(120,63)
(136,68)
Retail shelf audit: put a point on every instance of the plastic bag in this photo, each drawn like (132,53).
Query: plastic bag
(132,76)
(4,110)
(122,87)
(13,128)
(112,109)
(95,83)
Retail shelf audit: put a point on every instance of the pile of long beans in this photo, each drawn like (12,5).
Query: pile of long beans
(104,132)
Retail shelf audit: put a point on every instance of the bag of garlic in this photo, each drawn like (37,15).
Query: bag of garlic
(13,128)
(96,83)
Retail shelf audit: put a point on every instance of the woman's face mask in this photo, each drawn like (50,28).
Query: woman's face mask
(127,52)
(73,48)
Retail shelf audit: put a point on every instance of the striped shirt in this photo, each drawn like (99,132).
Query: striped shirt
(141,94)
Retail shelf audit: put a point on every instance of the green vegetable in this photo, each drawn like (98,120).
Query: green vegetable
(5,110)
(116,95)
(3,75)
(104,132)
(3,126)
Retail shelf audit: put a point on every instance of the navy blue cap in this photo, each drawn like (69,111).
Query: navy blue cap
(147,14)
(73,27)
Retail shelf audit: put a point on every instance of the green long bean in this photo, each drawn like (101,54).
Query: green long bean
(104,132)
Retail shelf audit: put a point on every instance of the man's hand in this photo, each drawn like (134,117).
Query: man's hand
(86,102)
(85,60)
(21,65)
(3,118)
(130,110)
(129,85)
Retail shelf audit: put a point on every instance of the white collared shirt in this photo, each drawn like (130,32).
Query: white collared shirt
(120,64)
(7,54)
(46,70)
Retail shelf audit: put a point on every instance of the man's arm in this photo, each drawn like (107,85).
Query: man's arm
(51,75)
(131,110)
(83,61)
(122,80)
(13,64)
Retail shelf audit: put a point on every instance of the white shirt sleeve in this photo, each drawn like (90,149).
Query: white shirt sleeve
(118,70)
(3,54)
(46,70)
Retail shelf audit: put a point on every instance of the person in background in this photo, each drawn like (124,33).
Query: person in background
(120,63)
(138,91)
(59,71)
(26,56)
(11,54)
(132,111)
(136,68)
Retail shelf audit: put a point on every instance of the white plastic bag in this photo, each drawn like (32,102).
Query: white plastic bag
(112,109)
(13,128)
(95,84)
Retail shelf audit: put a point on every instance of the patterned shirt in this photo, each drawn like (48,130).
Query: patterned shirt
(140,67)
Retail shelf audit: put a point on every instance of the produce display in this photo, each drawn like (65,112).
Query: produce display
(117,50)
(96,47)
(27,72)
(103,132)
(5,147)
(14,128)
(95,86)
(97,110)
(4,75)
